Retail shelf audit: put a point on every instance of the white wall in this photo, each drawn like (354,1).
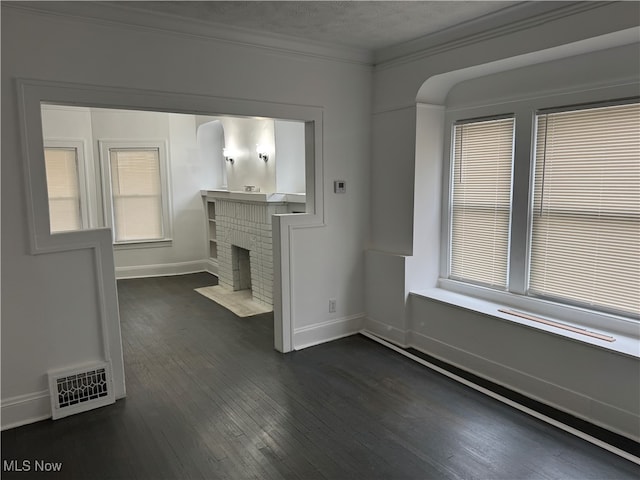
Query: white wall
(289,143)
(210,140)
(283,140)
(159,69)
(242,135)
(543,366)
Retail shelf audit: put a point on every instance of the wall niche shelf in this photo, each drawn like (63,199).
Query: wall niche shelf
(212,239)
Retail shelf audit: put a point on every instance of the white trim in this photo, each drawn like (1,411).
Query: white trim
(392,334)
(498,24)
(435,89)
(487,301)
(548,393)
(161,270)
(509,402)
(308,336)
(211,266)
(164,243)
(506,21)
(28,408)
(127,16)
(24,409)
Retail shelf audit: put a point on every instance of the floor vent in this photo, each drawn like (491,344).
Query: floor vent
(75,391)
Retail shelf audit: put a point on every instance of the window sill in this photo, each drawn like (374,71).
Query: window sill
(626,343)
(144,244)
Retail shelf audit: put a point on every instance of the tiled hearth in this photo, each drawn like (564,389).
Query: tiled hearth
(246,225)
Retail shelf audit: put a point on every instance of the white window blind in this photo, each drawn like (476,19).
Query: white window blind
(481,201)
(585,244)
(136,194)
(63,189)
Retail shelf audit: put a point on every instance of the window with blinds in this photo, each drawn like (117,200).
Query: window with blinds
(63,188)
(585,238)
(481,201)
(136,191)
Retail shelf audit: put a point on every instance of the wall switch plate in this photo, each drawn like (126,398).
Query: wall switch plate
(339,186)
(332,305)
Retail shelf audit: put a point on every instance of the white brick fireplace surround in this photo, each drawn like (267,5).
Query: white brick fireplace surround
(246,224)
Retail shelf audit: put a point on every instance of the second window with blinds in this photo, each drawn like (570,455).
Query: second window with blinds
(136,191)
(585,229)
(582,233)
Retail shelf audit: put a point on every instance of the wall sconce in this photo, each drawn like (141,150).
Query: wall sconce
(228,155)
(262,153)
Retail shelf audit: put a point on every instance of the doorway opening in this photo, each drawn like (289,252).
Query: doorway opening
(97,241)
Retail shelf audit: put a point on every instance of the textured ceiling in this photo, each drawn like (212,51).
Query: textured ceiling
(360,24)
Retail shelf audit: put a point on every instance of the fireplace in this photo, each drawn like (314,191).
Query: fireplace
(245,258)
(244,238)
(241,268)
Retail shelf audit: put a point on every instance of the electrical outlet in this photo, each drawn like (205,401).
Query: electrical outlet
(332,305)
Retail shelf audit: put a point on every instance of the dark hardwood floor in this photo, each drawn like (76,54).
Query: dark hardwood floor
(208,397)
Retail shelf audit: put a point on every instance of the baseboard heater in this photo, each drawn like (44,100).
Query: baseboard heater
(623,451)
(563,326)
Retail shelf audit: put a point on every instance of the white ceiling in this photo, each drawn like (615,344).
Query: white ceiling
(369,25)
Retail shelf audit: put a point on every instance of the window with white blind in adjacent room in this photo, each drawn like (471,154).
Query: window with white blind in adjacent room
(585,231)
(481,201)
(63,188)
(136,192)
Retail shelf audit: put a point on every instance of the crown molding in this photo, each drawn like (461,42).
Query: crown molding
(124,15)
(507,21)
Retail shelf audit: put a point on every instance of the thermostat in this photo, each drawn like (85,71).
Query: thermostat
(339,186)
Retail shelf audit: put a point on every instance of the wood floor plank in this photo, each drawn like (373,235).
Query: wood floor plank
(209,398)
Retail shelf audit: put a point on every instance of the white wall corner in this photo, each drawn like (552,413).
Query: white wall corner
(211,266)
(318,333)
(386,295)
(386,332)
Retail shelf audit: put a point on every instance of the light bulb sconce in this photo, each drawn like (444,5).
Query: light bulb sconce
(262,153)
(227,154)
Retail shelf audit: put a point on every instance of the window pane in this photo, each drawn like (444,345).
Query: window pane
(63,189)
(586,220)
(137,194)
(481,201)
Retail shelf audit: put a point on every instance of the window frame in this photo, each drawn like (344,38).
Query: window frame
(82,169)
(450,197)
(536,114)
(105,147)
(516,295)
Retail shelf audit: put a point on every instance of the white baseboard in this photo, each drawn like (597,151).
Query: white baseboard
(574,403)
(318,333)
(25,409)
(162,270)
(517,406)
(211,266)
(386,332)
